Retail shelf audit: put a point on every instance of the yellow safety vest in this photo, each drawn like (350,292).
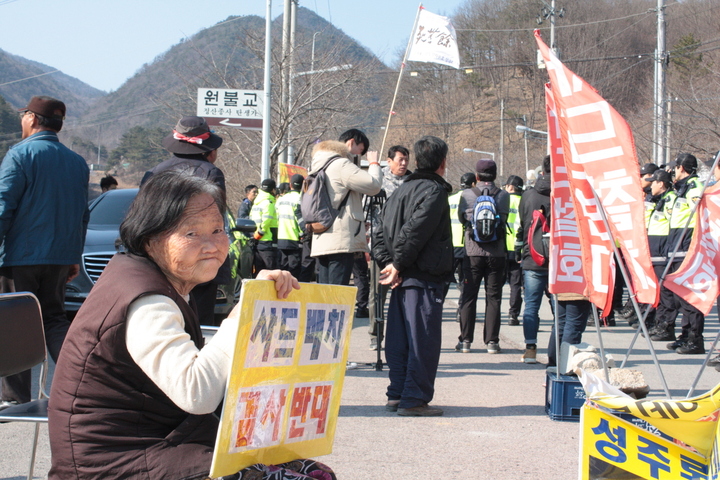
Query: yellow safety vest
(513,222)
(263,214)
(683,205)
(287,208)
(458,231)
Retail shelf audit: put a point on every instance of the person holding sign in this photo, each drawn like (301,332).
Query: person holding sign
(135,389)
(414,247)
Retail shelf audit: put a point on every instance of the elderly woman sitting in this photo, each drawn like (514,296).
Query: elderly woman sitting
(134,389)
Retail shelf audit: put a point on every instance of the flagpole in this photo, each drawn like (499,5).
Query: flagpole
(397,86)
(661,280)
(631,287)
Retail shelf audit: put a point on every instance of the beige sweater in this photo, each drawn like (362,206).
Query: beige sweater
(347,234)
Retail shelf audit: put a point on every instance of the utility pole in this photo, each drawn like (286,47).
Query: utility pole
(265,163)
(550,12)
(659,119)
(291,71)
(502,135)
(285,82)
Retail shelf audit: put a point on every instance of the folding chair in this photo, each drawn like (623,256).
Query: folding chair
(22,346)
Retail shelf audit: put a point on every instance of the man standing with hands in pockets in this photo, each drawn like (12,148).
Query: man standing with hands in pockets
(414,247)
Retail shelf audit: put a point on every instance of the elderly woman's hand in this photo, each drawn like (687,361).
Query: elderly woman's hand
(284,281)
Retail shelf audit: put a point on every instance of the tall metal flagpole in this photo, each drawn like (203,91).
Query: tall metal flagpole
(397,86)
(265,164)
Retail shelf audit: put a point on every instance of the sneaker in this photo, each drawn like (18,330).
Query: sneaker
(463,347)
(421,411)
(513,320)
(373,344)
(392,405)
(7,404)
(692,347)
(530,355)
(493,347)
(351,366)
(715,361)
(679,342)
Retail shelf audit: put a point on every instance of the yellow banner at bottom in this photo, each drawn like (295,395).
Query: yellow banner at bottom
(612,448)
(283,394)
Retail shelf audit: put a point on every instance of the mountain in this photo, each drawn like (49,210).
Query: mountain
(226,55)
(39,79)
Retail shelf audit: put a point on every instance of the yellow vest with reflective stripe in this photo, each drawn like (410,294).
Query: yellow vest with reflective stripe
(458,232)
(683,205)
(263,214)
(659,220)
(513,222)
(286,207)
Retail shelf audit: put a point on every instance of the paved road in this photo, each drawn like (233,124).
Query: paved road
(494,427)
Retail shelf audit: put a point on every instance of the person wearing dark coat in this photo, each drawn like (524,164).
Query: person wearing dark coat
(535,277)
(414,249)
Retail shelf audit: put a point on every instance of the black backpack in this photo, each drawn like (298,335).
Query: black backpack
(315,202)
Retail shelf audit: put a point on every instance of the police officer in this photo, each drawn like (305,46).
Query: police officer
(514,186)
(291,227)
(688,189)
(264,216)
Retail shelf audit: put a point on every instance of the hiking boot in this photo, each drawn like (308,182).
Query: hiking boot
(513,320)
(392,405)
(530,355)
(627,310)
(493,347)
(421,411)
(662,334)
(679,342)
(362,313)
(694,346)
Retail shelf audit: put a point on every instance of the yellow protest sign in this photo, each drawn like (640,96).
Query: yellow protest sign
(283,394)
(612,448)
(286,170)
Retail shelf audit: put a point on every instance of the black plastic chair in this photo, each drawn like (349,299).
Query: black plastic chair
(22,346)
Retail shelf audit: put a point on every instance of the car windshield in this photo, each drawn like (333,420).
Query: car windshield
(109,211)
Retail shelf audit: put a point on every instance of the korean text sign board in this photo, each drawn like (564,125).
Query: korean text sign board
(284,389)
(241,109)
(612,448)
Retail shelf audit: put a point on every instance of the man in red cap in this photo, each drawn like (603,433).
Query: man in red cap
(43,218)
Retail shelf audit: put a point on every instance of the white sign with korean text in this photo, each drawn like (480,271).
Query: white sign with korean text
(231,108)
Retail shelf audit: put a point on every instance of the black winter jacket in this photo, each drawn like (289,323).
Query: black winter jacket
(532,199)
(415,235)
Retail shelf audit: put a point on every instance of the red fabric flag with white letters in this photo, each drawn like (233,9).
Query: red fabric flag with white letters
(603,175)
(565,269)
(696,281)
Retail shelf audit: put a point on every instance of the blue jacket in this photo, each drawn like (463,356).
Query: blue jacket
(43,203)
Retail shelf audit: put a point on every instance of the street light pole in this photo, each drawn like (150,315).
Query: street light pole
(472,150)
(265,162)
(312,64)
(525,130)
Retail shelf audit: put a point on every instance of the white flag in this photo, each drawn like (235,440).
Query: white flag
(434,41)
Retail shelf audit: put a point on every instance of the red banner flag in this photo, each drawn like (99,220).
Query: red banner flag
(603,172)
(696,281)
(566,270)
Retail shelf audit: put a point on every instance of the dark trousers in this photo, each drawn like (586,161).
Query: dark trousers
(414,337)
(335,269)
(47,282)
(308,265)
(291,260)
(572,320)
(515,280)
(361,279)
(204,297)
(265,257)
(378,295)
(491,270)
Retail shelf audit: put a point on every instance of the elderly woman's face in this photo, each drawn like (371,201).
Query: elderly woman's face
(192,253)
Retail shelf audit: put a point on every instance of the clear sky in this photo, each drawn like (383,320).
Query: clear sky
(103,42)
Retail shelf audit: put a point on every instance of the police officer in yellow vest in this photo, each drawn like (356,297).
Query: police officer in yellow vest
(264,216)
(458,229)
(291,227)
(514,186)
(688,189)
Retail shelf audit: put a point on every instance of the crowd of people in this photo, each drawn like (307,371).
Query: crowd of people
(136,387)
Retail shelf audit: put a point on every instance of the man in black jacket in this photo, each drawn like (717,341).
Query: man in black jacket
(535,277)
(414,246)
